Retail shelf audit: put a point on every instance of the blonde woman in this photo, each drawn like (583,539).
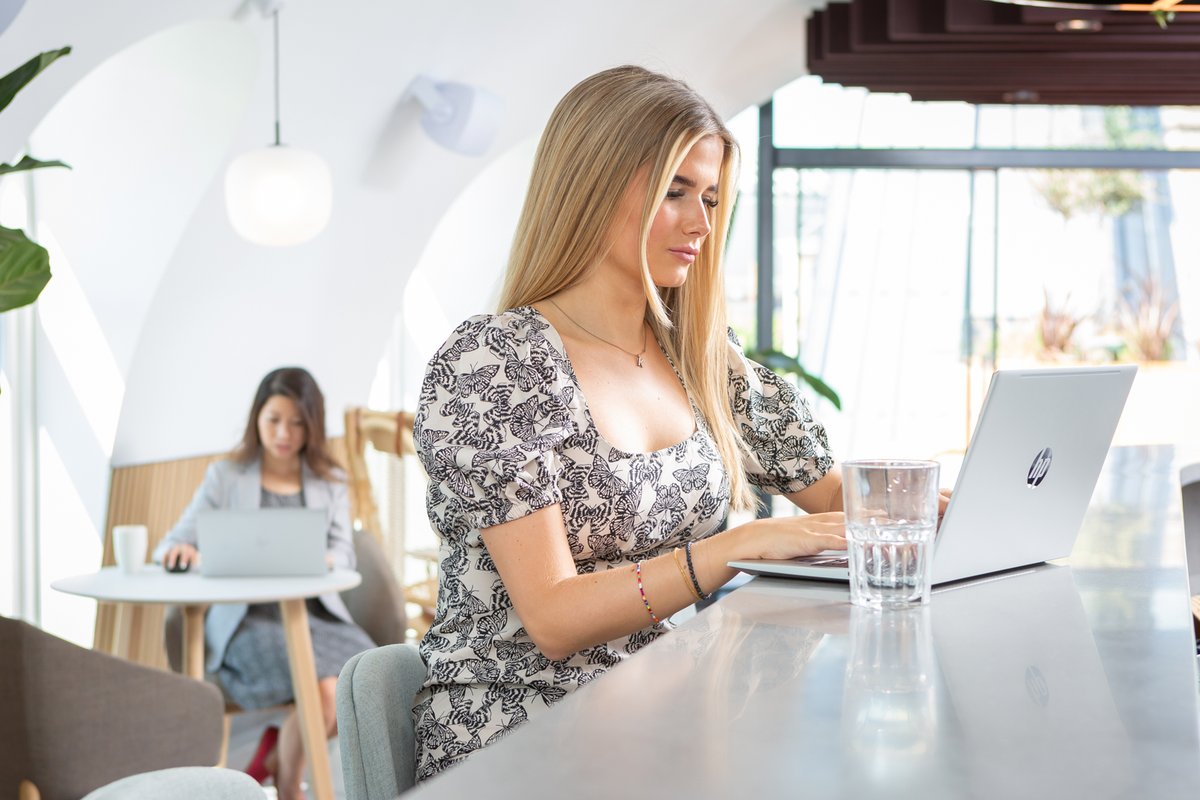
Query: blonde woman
(584,444)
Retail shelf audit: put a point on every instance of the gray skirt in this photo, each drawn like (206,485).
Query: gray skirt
(255,673)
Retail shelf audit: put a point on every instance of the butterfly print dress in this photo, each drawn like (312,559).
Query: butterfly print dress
(503,430)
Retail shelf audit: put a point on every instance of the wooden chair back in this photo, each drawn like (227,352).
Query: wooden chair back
(385,431)
(389,432)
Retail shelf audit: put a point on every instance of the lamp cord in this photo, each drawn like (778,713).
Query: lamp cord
(275,15)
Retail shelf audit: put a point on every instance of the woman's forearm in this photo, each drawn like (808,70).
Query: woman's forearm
(564,612)
(585,610)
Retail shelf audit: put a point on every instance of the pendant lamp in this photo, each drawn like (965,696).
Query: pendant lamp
(278,195)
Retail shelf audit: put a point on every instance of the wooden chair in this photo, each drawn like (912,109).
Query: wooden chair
(389,432)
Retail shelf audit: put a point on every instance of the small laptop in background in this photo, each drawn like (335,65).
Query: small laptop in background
(1026,480)
(266,542)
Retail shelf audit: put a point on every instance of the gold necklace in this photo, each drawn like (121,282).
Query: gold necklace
(637,356)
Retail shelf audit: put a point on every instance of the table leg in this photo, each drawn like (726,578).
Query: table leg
(193,662)
(122,642)
(308,702)
(193,642)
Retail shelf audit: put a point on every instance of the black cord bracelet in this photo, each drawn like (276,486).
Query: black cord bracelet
(687,550)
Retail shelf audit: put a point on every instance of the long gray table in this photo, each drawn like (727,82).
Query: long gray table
(1059,681)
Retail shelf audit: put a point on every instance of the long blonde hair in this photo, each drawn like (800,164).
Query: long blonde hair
(602,132)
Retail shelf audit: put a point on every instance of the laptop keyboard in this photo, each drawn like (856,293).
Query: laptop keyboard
(824,561)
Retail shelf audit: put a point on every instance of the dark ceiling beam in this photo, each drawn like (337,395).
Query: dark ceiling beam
(982,51)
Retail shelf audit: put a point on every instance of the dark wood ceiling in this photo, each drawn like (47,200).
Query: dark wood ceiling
(982,51)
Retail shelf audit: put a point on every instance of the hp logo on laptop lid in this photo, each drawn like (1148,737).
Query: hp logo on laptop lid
(1039,467)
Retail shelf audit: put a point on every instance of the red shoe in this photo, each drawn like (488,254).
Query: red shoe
(258,765)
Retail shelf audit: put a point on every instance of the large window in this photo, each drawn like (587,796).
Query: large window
(933,254)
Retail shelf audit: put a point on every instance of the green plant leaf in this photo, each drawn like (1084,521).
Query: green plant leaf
(823,389)
(28,163)
(776,361)
(15,81)
(24,269)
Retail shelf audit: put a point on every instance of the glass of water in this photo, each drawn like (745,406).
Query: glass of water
(891,517)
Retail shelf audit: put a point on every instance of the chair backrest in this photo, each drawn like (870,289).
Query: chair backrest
(389,432)
(386,431)
(1189,481)
(375,725)
(376,604)
(74,719)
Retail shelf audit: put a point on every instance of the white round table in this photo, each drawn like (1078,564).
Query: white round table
(195,592)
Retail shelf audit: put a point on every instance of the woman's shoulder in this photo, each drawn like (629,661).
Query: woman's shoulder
(228,467)
(518,333)
(515,324)
(332,474)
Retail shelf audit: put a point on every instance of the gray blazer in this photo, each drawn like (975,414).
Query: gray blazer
(228,484)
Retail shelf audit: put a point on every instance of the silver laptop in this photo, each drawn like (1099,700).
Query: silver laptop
(265,542)
(1026,479)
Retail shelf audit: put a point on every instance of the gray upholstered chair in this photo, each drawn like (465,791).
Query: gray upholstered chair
(375,726)
(76,720)
(210,783)
(1189,481)
(376,604)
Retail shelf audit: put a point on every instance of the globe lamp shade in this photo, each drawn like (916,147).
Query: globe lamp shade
(278,195)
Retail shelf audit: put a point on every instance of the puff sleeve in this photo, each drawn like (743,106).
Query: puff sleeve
(788,450)
(494,412)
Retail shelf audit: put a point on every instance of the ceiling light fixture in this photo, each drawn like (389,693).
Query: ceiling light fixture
(278,195)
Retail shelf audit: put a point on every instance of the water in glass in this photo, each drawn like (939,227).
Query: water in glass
(889,563)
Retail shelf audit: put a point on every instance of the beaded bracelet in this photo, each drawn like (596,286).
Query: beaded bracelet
(637,568)
(687,549)
(683,574)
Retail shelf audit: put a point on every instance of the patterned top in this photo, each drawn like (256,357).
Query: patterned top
(503,430)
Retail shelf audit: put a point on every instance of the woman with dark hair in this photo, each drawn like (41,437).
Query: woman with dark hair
(281,462)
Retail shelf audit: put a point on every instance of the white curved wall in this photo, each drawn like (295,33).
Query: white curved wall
(193,316)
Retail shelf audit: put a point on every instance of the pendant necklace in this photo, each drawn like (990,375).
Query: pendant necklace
(637,356)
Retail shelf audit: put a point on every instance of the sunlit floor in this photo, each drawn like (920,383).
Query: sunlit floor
(246,729)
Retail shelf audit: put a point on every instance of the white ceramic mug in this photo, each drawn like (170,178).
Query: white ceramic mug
(129,547)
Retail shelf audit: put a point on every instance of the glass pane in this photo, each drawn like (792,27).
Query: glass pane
(812,114)
(741,254)
(886,280)
(809,113)
(870,286)
(1095,267)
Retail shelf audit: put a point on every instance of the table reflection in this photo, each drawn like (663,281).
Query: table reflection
(890,702)
(1023,678)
